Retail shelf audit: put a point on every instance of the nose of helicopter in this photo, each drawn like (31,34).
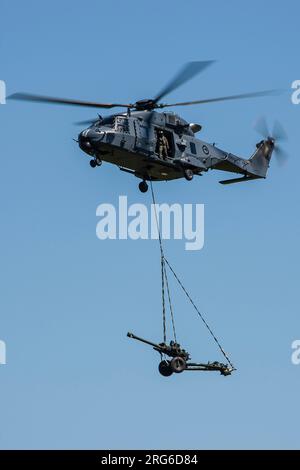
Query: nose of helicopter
(85,141)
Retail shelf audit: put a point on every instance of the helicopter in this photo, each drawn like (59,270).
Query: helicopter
(160,146)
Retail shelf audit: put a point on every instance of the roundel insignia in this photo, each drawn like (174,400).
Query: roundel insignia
(205,149)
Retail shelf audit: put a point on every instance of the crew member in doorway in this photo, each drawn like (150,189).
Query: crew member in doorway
(163,145)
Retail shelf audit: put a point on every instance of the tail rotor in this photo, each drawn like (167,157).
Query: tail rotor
(273,138)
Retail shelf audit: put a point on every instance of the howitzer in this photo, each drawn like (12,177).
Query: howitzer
(179,359)
(172,350)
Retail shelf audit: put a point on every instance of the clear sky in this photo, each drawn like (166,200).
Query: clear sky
(73,379)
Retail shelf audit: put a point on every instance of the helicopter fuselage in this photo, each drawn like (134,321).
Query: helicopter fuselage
(130,141)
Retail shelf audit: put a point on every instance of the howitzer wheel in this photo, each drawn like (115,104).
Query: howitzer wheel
(178,365)
(165,368)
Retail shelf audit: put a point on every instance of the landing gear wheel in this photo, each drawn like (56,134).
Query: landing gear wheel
(188,174)
(178,365)
(98,161)
(93,163)
(165,368)
(143,186)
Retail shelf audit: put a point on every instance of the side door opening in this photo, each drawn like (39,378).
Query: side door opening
(170,139)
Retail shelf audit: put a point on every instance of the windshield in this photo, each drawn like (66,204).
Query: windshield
(108,121)
(114,121)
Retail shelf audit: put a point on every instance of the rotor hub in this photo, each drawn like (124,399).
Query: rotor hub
(145,105)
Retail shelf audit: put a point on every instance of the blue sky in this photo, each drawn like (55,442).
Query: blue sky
(73,379)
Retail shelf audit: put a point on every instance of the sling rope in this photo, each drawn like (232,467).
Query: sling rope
(165,262)
(164,279)
(163,298)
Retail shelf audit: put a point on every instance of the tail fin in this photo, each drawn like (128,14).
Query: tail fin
(260,160)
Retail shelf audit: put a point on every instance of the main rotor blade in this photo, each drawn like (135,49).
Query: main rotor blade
(225,98)
(148,118)
(188,71)
(50,99)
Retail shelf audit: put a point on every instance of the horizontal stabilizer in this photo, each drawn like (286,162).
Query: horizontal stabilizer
(240,180)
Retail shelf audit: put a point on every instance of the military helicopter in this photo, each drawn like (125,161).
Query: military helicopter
(159,146)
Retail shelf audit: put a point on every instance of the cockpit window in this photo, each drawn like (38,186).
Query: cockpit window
(108,121)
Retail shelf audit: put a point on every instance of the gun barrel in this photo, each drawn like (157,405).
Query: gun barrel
(133,336)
